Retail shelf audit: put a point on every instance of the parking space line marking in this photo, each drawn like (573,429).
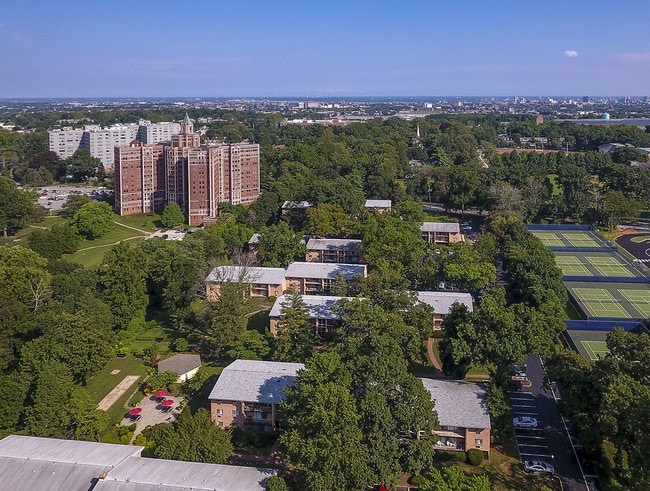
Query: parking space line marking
(536,454)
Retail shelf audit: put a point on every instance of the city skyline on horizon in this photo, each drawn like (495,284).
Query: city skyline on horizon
(299,50)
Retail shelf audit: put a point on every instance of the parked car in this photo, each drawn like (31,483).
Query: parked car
(538,467)
(524,422)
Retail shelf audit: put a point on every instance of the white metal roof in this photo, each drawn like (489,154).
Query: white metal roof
(462,404)
(325,270)
(253,274)
(451,227)
(255,381)
(442,301)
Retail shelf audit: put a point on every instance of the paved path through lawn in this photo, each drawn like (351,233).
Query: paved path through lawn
(117,392)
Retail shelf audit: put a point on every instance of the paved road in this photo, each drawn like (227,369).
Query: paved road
(552,437)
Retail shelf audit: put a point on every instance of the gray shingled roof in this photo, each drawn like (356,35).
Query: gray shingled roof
(180,364)
(255,381)
(333,244)
(325,270)
(442,301)
(452,228)
(378,203)
(159,474)
(462,404)
(253,274)
(320,306)
(288,205)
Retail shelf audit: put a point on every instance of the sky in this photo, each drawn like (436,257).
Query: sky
(316,48)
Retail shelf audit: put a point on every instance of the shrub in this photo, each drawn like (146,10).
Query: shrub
(418,480)
(475,456)
(181,344)
(438,334)
(443,456)
(276,483)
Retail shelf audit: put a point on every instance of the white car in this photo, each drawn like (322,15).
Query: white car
(538,467)
(524,422)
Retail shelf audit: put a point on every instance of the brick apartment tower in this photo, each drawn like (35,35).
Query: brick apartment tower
(197,177)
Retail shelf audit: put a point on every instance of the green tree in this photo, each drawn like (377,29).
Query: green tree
(93,219)
(24,277)
(296,338)
(81,165)
(73,204)
(172,215)
(225,322)
(279,246)
(453,478)
(16,206)
(52,244)
(617,207)
(327,220)
(123,282)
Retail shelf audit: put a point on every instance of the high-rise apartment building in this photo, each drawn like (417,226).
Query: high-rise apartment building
(197,177)
(102,141)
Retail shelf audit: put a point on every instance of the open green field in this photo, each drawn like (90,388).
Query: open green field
(131,227)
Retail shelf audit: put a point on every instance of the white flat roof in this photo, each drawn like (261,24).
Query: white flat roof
(254,274)
(378,203)
(255,381)
(442,301)
(453,228)
(320,306)
(146,474)
(459,403)
(325,270)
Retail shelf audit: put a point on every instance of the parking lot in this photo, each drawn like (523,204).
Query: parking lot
(53,197)
(531,441)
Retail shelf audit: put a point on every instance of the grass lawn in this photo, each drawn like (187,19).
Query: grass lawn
(102,383)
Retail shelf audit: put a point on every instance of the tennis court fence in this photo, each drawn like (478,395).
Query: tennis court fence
(601,325)
(608,279)
(557,226)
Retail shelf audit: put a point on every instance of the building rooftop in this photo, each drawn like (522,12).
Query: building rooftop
(333,244)
(325,270)
(442,301)
(253,274)
(296,205)
(180,364)
(255,381)
(378,203)
(462,404)
(320,307)
(171,475)
(452,228)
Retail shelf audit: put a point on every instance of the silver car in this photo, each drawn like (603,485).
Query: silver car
(538,467)
(524,422)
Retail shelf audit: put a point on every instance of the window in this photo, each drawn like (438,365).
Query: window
(235,413)
(219,413)
(219,423)
(478,442)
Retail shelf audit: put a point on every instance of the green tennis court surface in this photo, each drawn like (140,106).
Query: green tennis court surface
(548,238)
(609,266)
(571,266)
(599,302)
(638,299)
(581,239)
(595,349)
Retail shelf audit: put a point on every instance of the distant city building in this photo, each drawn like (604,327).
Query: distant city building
(102,141)
(197,177)
(539,119)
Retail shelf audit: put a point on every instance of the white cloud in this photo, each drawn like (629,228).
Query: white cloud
(570,53)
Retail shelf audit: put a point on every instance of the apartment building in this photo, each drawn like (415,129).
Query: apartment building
(379,205)
(441,233)
(333,251)
(248,392)
(317,278)
(323,318)
(197,177)
(101,141)
(463,416)
(262,282)
(442,303)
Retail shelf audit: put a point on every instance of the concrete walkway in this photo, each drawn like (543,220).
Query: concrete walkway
(117,392)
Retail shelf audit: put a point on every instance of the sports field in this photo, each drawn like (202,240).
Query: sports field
(612,300)
(568,238)
(609,263)
(590,344)
(599,302)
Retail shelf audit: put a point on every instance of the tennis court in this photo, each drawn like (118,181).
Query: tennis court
(590,344)
(548,238)
(581,239)
(599,302)
(609,266)
(572,266)
(638,299)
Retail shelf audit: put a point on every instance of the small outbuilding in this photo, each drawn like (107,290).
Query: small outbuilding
(185,365)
